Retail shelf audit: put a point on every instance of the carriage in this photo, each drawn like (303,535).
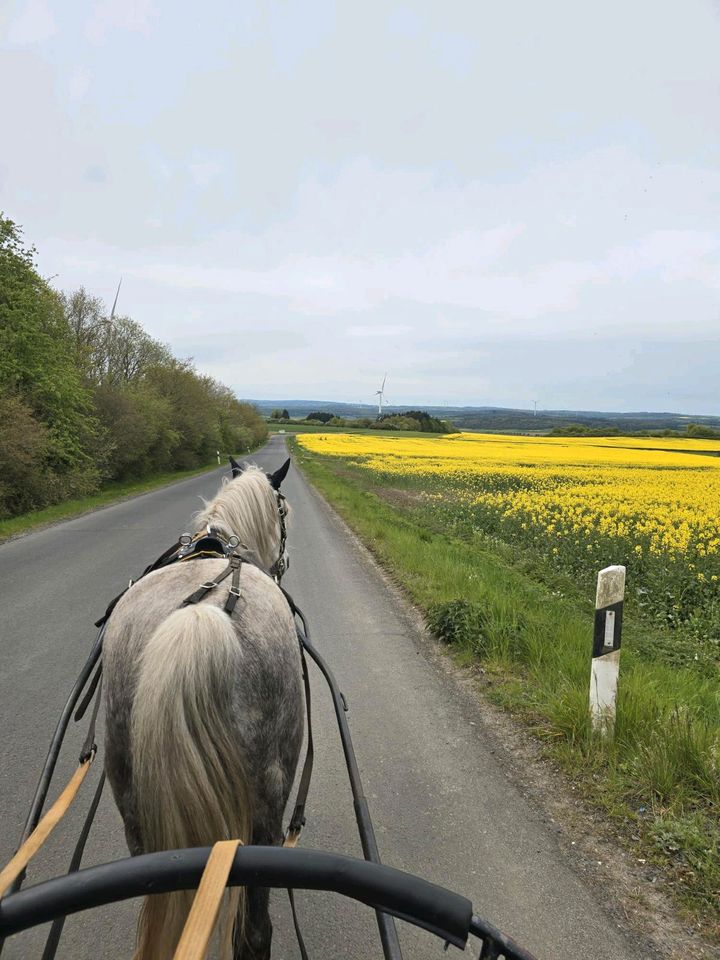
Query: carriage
(263,860)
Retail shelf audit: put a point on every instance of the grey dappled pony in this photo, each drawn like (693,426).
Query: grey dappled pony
(205,713)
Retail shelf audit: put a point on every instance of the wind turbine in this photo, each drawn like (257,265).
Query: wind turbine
(380,394)
(117,294)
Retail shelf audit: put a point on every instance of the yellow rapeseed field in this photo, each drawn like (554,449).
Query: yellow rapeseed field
(501,541)
(626,497)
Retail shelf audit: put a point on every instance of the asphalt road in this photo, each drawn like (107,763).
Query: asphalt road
(443,806)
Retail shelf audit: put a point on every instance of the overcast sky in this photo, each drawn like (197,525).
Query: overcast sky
(497,203)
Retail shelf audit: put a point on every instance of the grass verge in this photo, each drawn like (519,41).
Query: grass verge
(658,779)
(112,493)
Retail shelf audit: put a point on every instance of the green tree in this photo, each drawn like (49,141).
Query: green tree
(84,397)
(139,426)
(37,366)
(86,320)
(124,352)
(23,444)
(702,432)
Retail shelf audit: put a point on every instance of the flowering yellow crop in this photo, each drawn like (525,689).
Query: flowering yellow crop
(475,451)
(651,496)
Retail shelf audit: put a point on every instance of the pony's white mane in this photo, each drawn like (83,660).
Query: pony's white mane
(246,507)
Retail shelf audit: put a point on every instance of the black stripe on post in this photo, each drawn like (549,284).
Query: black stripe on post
(606,636)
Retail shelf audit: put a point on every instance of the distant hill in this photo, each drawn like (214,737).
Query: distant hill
(503,419)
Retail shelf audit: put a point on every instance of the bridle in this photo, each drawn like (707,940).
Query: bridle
(279,568)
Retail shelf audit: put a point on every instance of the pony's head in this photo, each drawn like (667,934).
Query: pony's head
(251,507)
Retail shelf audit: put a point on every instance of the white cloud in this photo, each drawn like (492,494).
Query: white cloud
(33,25)
(78,84)
(467,270)
(108,16)
(388,330)
(204,172)
(667,255)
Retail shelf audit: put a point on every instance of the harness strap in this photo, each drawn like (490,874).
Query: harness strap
(234,594)
(87,699)
(296,924)
(209,585)
(297,821)
(199,925)
(163,560)
(110,607)
(89,747)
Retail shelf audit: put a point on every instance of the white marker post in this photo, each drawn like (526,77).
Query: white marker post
(606,648)
(218,456)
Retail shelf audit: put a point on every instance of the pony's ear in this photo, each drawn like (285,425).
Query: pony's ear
(236,468)
(277,478)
